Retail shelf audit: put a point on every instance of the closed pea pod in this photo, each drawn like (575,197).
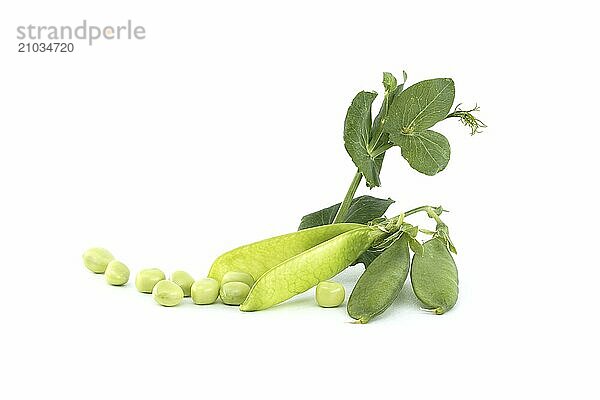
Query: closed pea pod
(257,258)
(380,284)
(307,269)
(434,277)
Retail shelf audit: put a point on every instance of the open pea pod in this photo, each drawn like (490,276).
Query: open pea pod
(434,276)
(380,284)
(305,270)
(257,258)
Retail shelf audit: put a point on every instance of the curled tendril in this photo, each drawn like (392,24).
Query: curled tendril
(468,119)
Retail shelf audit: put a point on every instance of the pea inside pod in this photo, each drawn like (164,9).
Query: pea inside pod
(235,276)
(307,269)
(257,258)
(234,293)
(380,284)
(434,277)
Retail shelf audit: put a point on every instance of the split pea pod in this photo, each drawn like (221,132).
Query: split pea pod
(434,277)
(380,284)
(257,258)
(305,270)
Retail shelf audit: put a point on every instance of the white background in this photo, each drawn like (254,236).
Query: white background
(224,126)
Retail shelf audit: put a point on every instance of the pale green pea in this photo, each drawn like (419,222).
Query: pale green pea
(330,294)
(234,293)
(205,291)
(184,280)
(96,259)
(116,273)
(146,279)
(235,276)
(167,293)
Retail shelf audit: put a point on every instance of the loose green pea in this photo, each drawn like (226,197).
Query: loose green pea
(96,259)
(381,283)
(434,277)
(330,294)
(184,280)
(234,293)
(235,276)
(167,293)
(116,273)
(305,270)
(205,291)
(146,279)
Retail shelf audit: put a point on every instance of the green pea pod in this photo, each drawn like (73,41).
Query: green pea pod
(434,277)
(307,269)
(257,258)
(381,283)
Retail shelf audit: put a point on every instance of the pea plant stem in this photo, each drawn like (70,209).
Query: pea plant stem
(345,206)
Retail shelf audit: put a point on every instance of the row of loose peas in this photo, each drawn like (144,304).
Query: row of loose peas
(233,289)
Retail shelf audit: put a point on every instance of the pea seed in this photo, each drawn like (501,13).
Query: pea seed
(116,273)
(96,259)
(146,279)
(330,294)
(235,276)
(234,293)
(205,291)
(184,280)
(167,293)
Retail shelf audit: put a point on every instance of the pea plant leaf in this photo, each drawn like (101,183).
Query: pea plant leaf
(392,89)
(420,106)
(362,210)
(357,136)
(428,152)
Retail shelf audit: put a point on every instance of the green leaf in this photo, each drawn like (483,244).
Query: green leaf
(428,152)
(357,136)
(420,106)
(362,210)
